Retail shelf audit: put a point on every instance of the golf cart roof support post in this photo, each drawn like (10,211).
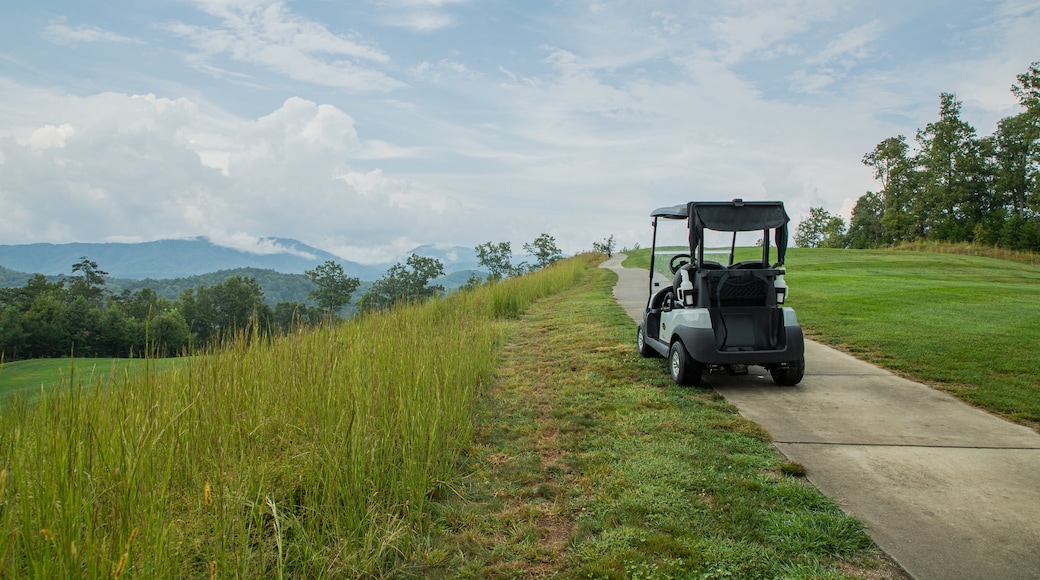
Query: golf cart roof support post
(765,247)
(781,244)
(732,248)
(653,251)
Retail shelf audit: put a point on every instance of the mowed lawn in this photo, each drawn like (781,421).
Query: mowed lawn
(969,325)
(26,378)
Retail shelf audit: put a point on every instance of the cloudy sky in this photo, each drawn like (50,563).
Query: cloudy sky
(368,127)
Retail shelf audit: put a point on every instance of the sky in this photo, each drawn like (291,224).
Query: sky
(369,127)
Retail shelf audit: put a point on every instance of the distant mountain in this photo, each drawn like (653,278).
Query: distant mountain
(165,259)
(176,264)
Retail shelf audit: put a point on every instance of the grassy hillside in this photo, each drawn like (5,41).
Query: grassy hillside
(966,324)
(460,438)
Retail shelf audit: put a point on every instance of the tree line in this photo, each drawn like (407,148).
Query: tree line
(949,184)
(79,316)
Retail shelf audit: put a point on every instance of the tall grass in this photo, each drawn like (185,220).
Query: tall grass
(310,455)
(964,248)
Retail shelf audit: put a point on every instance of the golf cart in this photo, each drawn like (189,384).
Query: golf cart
(718,316)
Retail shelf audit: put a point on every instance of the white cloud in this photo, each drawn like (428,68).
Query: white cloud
(753,27)
(851,46)
(59,32)
(143,167)
(268,34)
(253,244)
(49,136)
(418,15)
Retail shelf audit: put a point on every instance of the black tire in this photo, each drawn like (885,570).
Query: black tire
(642,346)
(790,374)
(685,371)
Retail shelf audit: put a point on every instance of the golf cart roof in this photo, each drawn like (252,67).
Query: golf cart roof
(728,216)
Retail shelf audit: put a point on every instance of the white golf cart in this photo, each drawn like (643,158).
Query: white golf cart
(717,316)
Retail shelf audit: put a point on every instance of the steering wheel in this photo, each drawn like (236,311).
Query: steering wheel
(678,261)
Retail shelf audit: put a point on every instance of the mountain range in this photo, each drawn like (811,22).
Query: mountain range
(166,259)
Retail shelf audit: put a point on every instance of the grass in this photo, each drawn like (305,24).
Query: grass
(589,463)
(26,378)
(312,455)
(965,324)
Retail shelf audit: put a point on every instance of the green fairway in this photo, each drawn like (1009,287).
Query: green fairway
(966,324)
(27,377)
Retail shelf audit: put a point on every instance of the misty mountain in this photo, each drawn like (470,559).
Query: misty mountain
(165,259)
(170,259)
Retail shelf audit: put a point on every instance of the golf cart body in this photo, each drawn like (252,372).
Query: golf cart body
(724,316)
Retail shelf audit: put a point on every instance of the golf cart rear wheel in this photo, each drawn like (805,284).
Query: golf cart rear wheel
(644,348)
(685,371)
(788,374)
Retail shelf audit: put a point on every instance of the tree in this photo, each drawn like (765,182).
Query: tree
(820,230)
(334,287)
(1027,91)
(498,259)
(865,229)
(12,334)
(903,214)
(90,283)
(168,334)
(954,186)
(213,313)
(291,316)
(544,250)
(405,283)
(606,246)
(1015,175)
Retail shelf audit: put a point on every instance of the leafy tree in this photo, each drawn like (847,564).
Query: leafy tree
(90,281)
(1016,176)
(820,230)
(544,250)
(950,162)
(13,336)
(82,321)
(865,229)
(116,334)
(903,215)
(213,313)
(498,259)
(291,316)
(334,287)
(606,246)
(45,326)
(168,334)
(145,304)
(1027,91)
(405,283)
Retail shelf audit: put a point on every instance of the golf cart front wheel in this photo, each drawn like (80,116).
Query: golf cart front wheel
(788,374)
(685,371)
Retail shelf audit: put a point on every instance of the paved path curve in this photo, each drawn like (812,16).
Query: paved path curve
(947,490)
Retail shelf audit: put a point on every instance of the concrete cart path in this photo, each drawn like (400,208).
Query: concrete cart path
(947,490)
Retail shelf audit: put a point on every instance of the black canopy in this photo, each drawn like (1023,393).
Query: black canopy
(731,216)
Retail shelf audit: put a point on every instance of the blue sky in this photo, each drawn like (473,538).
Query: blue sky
(368,127)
